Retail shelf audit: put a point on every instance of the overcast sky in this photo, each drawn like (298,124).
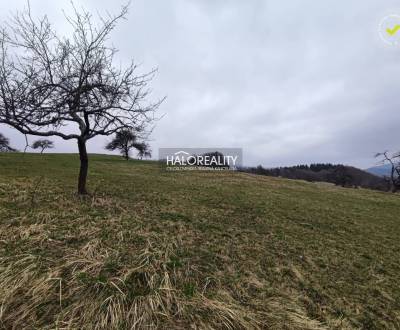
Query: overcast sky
(289,81)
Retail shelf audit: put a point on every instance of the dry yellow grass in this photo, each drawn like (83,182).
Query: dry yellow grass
(156,250)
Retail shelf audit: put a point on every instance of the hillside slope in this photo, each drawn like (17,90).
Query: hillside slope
(341,175)
(151,249)
(383,170)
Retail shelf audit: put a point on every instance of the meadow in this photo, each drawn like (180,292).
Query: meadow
(200,250)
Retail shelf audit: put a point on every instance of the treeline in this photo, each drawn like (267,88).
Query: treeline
(341,175)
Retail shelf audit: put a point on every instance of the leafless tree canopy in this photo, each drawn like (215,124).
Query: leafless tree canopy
(5,144)
(126,140)
(394,161)
(43,144)
(48,81)
(144,151)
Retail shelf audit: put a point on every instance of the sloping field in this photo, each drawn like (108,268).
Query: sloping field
(151,249)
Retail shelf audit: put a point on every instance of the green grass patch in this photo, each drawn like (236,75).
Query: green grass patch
(152,249)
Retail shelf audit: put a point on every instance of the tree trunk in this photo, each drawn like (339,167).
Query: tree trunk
(84,167)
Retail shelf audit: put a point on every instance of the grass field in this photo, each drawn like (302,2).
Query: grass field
(151,249)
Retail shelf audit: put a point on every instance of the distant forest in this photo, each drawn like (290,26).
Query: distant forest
(341,175)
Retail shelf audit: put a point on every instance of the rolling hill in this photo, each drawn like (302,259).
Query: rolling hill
(341,175)
(223,250)
(383,170)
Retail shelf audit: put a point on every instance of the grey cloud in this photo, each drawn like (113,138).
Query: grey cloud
(288,81)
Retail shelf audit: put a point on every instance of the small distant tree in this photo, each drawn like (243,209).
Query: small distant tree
(126,140)
(394,161)
(5,144)
(69,86)
(218,157)
(144,151)
(43,145)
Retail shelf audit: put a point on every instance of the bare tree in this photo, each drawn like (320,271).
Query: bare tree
(5,144)
(144,151)
(49,82)
(394,161)
(124,141)
(43,144)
